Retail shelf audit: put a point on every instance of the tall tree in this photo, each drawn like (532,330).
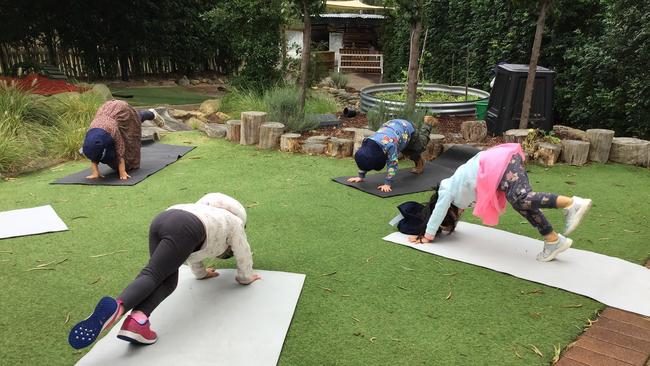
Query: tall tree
(307,8)
(413,11)
(544,6)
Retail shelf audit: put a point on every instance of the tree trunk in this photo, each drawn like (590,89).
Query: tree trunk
(339,148)
(124,66)
(532,67)
(51,49)
(306,55)
(601,143)
(4,63)
(250,127)
(575,152)
(414,52)
(270,133)
(234,130)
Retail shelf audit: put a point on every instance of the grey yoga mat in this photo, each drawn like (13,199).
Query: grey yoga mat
(406,182)
(212,322)
(154,157)
(30,221)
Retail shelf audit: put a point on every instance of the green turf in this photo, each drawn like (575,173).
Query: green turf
(150,96)
(381,304)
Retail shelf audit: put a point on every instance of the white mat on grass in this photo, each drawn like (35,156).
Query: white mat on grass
(609,280)
(29,221)
(212,322)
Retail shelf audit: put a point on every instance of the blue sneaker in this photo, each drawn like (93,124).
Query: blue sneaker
(86,331)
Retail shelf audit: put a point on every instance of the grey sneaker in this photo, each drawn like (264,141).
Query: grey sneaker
(551,250)
(157,119)
(574,214)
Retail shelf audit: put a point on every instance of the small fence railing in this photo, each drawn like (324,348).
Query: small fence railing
(361,62)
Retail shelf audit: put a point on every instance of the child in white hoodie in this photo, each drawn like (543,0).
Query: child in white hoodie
(213,227)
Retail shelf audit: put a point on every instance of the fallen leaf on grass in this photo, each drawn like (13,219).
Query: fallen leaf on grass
(67,319)
(402,288)
(53,262)
(557,350)
(40,269)
(345,295)
(536,350)
(79,217)
(105,254)
(4,260)
(535,315)
(6,252)
(356,320)
(407,269)
(514,348)
(368,259)
(372,339)
(632,231)
(575,306)
(448,296)
(195,157)
(570,182)
(326,289)
(603,239)
(450,274)
(329,274)
(533,292)
(396,339)
(253,204)
(95,281)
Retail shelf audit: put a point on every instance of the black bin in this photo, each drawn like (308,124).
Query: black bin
(504,107)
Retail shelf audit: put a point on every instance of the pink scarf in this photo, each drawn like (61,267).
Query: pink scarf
(490,202)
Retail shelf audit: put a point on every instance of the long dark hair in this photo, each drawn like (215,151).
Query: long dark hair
(451,218)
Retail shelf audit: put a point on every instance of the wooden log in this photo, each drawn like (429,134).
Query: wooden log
(234,130)
(601,143)
(547,154)
(270,133)
(250,127)
(569,133)
(314,148)
(474,131)
(515,135)
(290,142)
(434,147)
(359,135)
(628,150)
(339,148)
(575,152)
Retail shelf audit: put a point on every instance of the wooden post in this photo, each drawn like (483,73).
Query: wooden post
(575,152)
(515,135)
(250,127)
(234,130)
(474,131)
(339,148)
(628,150)
(434,147)
(547,154)
(270,133)
(290,142)
(601,143)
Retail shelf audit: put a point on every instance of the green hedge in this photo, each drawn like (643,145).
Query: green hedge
(599,49)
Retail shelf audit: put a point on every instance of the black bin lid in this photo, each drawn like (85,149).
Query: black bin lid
(523,68)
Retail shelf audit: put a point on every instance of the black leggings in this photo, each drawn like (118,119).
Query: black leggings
(173,236)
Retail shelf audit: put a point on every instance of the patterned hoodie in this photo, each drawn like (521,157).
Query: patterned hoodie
(393,137)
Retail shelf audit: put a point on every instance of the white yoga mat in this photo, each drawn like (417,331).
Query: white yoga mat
(609,280)
(29,221)
(212,322)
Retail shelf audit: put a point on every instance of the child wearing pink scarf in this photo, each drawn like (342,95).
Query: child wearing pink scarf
(491,178)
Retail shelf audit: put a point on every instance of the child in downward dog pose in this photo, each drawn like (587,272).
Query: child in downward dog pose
(212,227)
(489,179)
(382,149)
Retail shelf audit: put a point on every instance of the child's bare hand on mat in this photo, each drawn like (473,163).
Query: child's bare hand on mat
(211,273)
(384,188)
(426,238)
(124,176)
(248,281)
(355,180)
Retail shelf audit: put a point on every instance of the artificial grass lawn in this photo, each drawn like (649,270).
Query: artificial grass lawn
(365,301)
(150,96)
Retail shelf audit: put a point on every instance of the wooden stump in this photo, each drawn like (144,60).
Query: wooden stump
(434,147)
(601,143)
(234,130)
(474,131)
(569,133)
(516,135)
(628,150)
(547,154)
(290,142)
(575,152)
(250,127)
(313,148)
(270,133)
(359,135)
(339,148)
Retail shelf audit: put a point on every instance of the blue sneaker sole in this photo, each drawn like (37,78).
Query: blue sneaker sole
(84,333)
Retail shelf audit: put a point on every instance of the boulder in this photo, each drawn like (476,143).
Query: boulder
(222,116)
(180,113)
(195,82)
(196,123)
(215,130)
(101,90)
(210,106)
(184,81)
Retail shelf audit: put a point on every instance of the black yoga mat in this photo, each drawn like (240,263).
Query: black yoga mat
(406,182)
(154,157)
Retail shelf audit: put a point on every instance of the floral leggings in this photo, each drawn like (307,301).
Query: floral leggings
(522,198)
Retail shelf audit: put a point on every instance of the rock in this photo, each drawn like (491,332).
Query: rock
(215,130)
(222,116)
(569,133)
(313,148)
(317,139)
(102,90)
(210,106)
(184,81)
(474,131)
(196,124)
(205,81)
(180,113)
(195,82)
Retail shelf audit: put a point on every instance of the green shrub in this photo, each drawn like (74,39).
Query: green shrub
(318,103)
(380,114)
(242,100)
(73,116)
(339,80)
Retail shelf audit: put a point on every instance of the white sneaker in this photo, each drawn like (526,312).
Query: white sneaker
(157,118)
(573,215)
(551,250)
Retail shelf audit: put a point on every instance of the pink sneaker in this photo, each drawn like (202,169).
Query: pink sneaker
(134,332)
